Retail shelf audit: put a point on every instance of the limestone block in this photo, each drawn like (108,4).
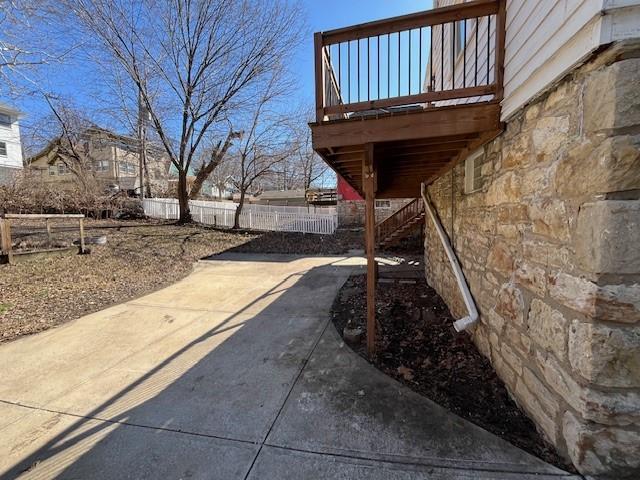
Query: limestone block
(604,355)
(531,277)
(608,237)
(512,359)
(590,167)
(614,303)
(547,254)
(517,152)
(504,189)
(549,218)
(549,134)
(609,408)
(612,97)
(598,450)
(548,328)
(510,304)
(532,402)
(500,259)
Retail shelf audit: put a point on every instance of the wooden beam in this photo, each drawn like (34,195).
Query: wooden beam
(500,41)
(431,123)
(369,175)
(437,16)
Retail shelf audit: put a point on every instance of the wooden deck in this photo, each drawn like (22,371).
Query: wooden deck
(401,101)
(415,124)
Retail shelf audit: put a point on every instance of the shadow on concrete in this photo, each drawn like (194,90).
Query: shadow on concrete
(232,393)
(258,393)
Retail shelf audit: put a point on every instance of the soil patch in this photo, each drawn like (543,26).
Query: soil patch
(417,345)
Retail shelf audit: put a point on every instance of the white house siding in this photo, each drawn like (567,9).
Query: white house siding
(545,39)
(11,136)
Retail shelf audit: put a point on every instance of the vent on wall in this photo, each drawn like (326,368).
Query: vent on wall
(473,171)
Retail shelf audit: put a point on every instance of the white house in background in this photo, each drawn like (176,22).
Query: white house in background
(10,146)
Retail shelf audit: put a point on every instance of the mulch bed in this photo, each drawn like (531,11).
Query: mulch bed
(417,345)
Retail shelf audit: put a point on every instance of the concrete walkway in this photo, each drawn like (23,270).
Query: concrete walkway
(236,372)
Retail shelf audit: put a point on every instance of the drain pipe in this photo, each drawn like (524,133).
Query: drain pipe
(465,322)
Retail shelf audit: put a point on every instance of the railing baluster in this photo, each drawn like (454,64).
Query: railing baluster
(431,58)
(349,69)
(368,70)
(399,94)
(453,55)
(409,79)
(420,63)
(475,83)
(339,69)
(464,56)
(488,46)
(388,65)
(358,71)
(442,57)
(378,66)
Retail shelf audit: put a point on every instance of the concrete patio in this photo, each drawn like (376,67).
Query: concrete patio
(236,372)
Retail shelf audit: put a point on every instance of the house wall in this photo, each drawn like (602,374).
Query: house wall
(550,246)
(545,39)
(12,162)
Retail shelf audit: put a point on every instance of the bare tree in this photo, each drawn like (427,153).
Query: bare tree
(28,31)
(309,167)
(265,143)
(212,158)
(194,62)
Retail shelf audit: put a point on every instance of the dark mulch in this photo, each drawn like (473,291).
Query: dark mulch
(416,344)
(303,244)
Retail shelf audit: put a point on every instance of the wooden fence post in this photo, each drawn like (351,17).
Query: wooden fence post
(5,240)
(82,250)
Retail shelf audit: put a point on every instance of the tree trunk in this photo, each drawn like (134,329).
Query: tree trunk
(236,218)
(183,197)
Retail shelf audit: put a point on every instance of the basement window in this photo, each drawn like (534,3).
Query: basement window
(3,149)
(473,171)
(384,204)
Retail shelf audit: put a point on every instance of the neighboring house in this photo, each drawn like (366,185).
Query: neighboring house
(112,160)
(522,119)
(291,198)
(10,146)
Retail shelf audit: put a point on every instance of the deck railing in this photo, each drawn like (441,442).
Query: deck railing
(424,59)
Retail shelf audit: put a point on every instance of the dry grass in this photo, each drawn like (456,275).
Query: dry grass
(44,292)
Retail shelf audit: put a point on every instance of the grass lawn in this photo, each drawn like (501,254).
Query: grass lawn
(43,292)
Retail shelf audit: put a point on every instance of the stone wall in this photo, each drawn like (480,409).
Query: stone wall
(550,246)
(351,212)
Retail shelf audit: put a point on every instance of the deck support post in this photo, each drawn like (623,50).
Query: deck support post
(369,175)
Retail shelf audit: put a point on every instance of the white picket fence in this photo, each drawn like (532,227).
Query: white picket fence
(221,214)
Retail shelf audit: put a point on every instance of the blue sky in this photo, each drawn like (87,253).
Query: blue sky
(325,15)
(81,83)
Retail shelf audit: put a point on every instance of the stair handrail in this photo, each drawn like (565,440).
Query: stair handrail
(399,218)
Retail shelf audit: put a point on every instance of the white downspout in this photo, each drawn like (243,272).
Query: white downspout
(472,318)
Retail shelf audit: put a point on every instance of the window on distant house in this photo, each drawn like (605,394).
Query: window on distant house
(52,170)
(3,149)
(473,171)
(383,203)
(5,120)
(62,169)
(102,165)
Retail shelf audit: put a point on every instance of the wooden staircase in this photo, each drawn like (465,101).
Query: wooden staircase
(400,224)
